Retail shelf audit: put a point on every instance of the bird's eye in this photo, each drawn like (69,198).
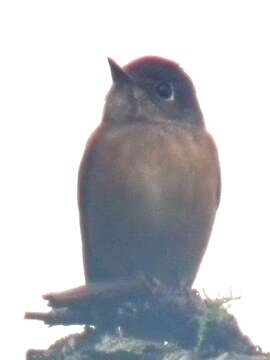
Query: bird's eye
(164,90)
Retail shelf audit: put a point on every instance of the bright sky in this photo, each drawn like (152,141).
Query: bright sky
(53,79)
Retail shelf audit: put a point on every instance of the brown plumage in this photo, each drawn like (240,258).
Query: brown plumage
(149,180)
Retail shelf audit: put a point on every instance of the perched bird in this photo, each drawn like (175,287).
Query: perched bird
(149,180)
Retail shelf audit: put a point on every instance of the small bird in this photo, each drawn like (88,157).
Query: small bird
(149,180)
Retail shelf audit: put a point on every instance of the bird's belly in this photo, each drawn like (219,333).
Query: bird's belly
(151,211)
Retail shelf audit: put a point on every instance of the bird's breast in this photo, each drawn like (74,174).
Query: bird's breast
(162,169)
(148,194)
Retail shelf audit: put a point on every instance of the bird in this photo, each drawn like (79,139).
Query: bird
(149,180)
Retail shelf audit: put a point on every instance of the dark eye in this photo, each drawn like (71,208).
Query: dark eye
(164,90)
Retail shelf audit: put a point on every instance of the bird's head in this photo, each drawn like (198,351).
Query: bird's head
(152,89)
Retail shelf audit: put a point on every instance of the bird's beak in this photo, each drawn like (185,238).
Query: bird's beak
(118,74)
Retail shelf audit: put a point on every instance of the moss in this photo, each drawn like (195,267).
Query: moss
(165,322)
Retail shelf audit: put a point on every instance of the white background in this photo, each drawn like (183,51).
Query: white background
(53,80)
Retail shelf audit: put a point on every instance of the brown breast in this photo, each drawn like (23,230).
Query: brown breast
(149,197)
